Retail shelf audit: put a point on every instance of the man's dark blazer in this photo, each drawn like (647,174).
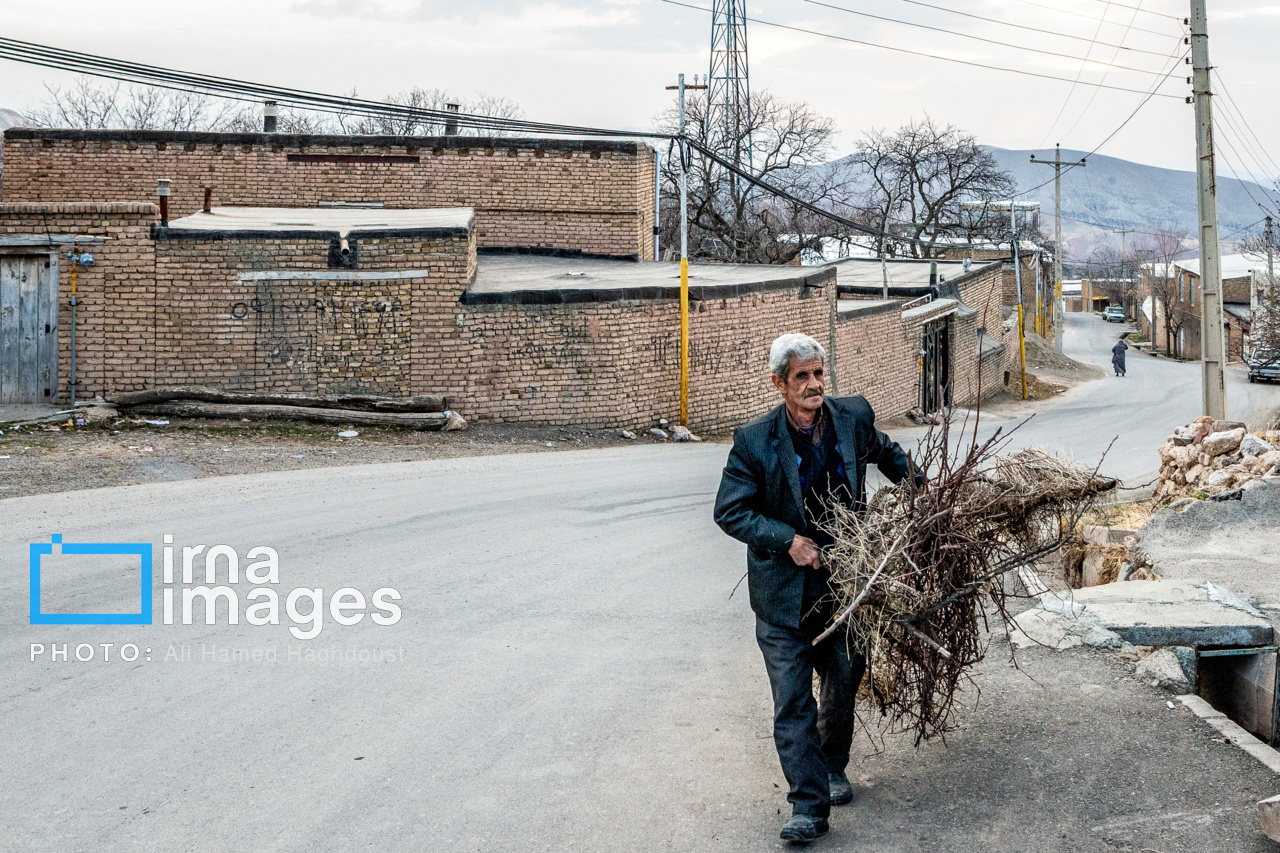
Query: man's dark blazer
(759,502)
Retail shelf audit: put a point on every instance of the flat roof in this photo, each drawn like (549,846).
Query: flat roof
(551,278)
(903,272)
(343,220)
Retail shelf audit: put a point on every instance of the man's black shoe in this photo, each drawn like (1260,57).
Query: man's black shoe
(803,828)
(841,790)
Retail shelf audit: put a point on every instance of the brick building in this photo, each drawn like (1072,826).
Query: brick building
(526,297)
(1175,327)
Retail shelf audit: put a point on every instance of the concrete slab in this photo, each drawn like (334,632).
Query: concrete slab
(16,413)
(1175,613)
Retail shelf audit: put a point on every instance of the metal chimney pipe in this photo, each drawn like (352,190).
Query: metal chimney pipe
(162,190)
(270,115)
(208,199)
(451,123)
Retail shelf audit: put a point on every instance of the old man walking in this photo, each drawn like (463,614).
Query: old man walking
(784,471)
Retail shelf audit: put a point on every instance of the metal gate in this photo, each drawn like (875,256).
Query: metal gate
(935,361)
(28,328)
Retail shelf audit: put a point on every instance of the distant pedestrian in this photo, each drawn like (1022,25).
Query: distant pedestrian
(785,469)
(1117,356)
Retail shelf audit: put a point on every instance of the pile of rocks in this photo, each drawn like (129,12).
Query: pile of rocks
(1209,457)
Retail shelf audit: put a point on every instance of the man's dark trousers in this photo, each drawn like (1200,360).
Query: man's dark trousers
(812,738)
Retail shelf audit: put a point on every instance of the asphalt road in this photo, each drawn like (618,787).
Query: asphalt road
(569,673)
(1138,412)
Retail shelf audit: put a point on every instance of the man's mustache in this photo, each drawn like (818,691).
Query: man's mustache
(812,393)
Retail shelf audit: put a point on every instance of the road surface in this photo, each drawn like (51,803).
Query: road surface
(1138,411)
(569,673)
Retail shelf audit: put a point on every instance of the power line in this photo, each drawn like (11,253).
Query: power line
(977,38)
(241,90)
(1148,11)
(1149,95)
(1086,17)
(912,52)
(1030,28)
(1228,92)
(1094,96)
(1062,109)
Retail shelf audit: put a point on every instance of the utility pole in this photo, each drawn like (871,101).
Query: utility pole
(1057,237)
(683,153)
(1017,278)
(1124,255)
(1212,345)
(884,229)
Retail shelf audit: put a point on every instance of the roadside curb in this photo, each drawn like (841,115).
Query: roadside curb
(1232,731)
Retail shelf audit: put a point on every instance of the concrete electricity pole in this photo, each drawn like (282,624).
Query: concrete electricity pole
(1124,261)
(1212,345)
(1057,238)
(683,153)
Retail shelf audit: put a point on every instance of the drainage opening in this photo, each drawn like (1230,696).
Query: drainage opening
(1241,682)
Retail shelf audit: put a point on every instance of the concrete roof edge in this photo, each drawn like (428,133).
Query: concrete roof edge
(872,308)
(574,295)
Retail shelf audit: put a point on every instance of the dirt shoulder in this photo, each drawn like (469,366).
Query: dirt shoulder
(37,460)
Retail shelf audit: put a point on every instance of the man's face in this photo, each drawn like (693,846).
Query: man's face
(804,385)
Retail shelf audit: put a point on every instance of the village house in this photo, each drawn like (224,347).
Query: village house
(1172,296)
(514,277)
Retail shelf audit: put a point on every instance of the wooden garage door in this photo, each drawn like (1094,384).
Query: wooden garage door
(28,329)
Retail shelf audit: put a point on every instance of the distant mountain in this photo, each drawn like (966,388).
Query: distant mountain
(1112,193)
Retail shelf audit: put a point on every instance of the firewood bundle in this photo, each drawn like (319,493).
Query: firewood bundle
(918,574)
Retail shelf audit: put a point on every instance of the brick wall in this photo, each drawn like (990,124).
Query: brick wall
(877,358)
(593,196)
(181,310)
(115,314)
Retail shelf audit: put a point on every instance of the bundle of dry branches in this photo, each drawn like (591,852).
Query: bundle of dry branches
(919,571)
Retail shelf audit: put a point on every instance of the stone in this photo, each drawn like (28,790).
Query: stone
(454,422)
(1270,458)
(1194,472)
(1164,668)
(99,414)
(1251,445)
(1272,436)
(1229,495)
(1199,431)
(1222,441)
(1227,426)
(1181,440)
(681,433)
(659,433)
(348,433)
(1269,817)
(1141,573)
(1183,457)
(1219,478)
(1181,504)
(627,434)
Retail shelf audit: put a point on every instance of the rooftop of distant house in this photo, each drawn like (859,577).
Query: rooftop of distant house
(902,272)
(341,220)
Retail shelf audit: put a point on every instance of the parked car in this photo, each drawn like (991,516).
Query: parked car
(1264,364)
(1113,314)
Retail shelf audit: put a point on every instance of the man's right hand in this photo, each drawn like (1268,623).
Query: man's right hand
(804,551)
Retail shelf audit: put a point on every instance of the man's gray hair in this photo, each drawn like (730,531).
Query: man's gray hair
(793,346)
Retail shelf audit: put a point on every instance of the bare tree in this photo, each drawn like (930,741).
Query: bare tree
(428,100)
(731,220)
(1166,246)
(90,104)
(936,182)
(93,105)
(1264,327)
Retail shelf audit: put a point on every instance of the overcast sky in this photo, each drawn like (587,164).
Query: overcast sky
(605,62)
